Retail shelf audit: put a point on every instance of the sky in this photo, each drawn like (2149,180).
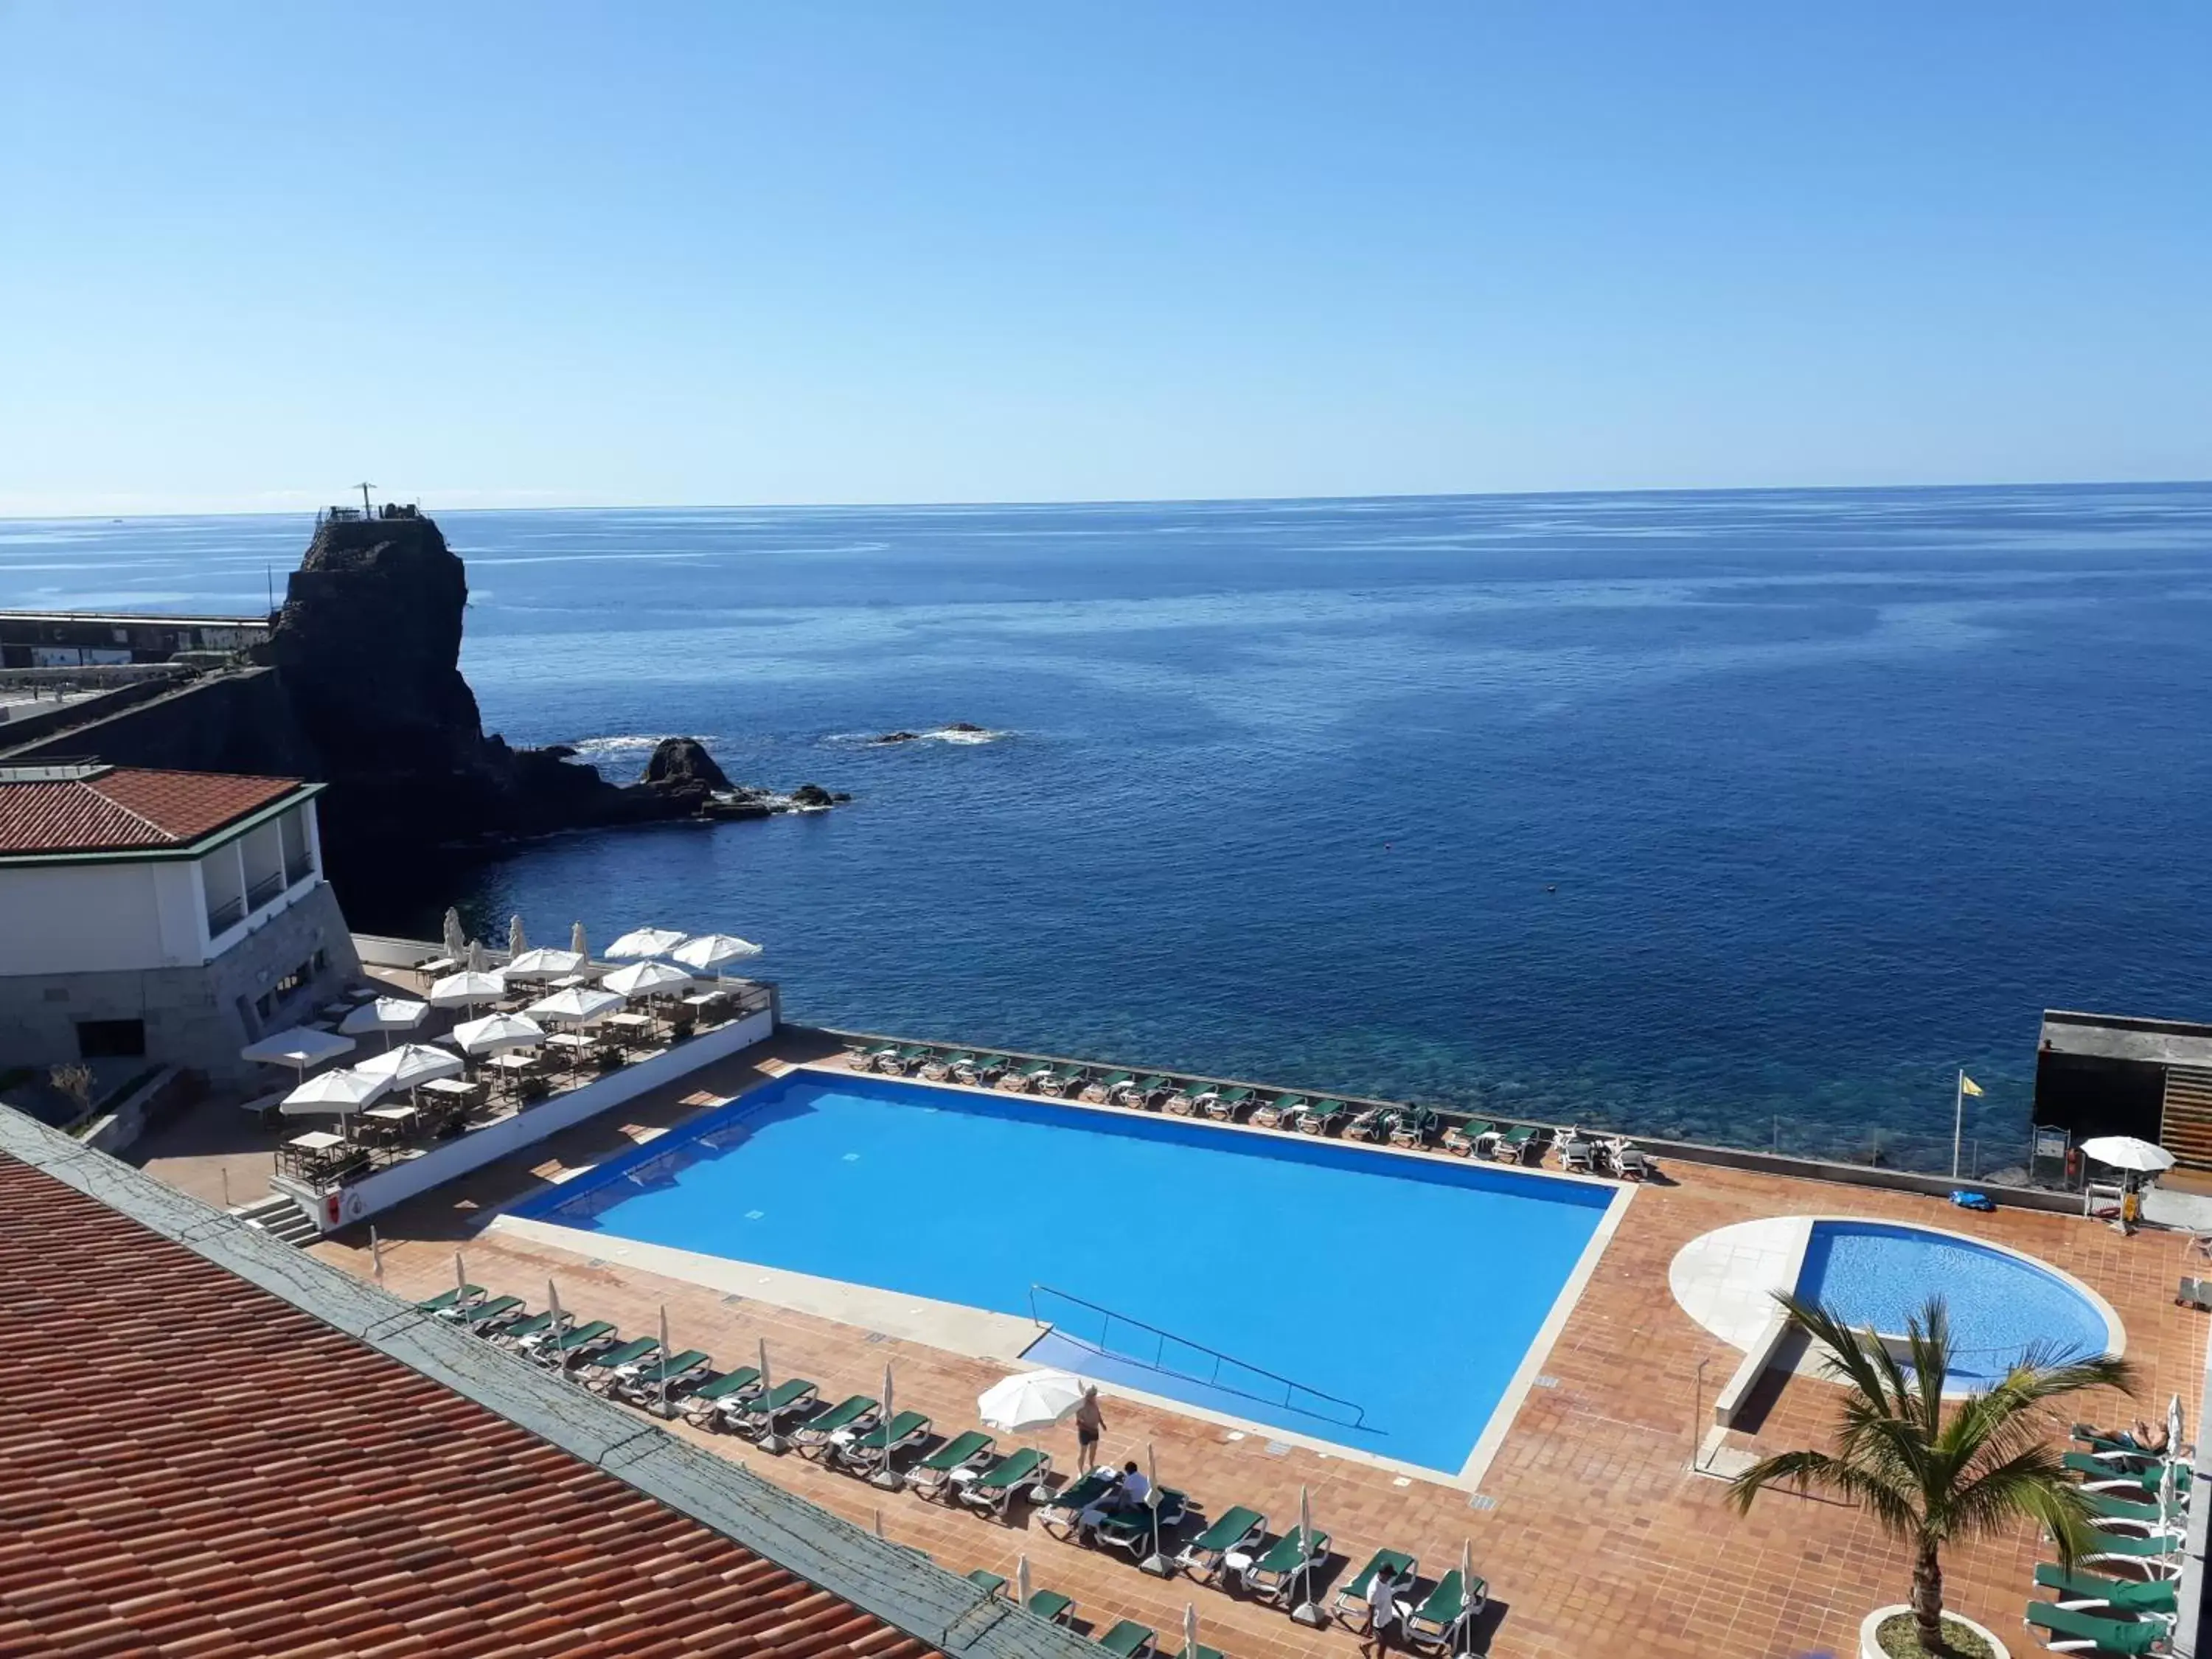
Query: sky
(550,254)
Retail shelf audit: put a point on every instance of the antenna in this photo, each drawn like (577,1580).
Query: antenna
(364,489)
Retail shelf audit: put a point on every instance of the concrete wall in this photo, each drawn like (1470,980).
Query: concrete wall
(196,1016)
(231,722)
(443,1162)
(91,918)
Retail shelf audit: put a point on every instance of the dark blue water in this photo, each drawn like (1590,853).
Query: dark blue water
(1689,812)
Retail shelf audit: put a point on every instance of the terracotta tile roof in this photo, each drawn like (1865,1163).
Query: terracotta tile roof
(125,807)
(189,1465)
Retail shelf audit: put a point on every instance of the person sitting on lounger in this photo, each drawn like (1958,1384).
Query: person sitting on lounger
(1382,1609)
(1127,1493)
(2151,1441)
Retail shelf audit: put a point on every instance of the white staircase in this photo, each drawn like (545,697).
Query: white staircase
(281,1218)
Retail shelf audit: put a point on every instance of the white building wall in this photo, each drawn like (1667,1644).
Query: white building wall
(83,918)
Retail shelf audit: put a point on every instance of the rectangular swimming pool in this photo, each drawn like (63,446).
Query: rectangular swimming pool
(1378,1302)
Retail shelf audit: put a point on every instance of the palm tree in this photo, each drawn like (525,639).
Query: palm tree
(1931,1473)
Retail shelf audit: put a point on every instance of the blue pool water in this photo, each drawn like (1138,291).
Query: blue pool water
(1327,1265)
(2000,1306)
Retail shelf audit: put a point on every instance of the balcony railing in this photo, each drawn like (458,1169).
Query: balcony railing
(298,870)
(267,890)
(224,917)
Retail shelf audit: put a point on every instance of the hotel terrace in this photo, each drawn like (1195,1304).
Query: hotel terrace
(432,1422)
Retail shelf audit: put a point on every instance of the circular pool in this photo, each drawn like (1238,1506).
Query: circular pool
(2000,1304)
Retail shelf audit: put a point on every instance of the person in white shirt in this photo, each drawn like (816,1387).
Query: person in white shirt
(1383,1608)
(1127,1493)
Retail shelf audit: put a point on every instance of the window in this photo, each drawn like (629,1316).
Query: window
(319,961)
(292,981)
(110,1039)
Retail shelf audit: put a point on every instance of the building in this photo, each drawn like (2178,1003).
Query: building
(2113,1075)
(169,916)
(214,1444)
(74,639)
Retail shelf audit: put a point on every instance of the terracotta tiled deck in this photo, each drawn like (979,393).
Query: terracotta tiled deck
(1596,1537)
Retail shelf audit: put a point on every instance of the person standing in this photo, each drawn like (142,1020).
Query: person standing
(1382,1609)
(1090,1425)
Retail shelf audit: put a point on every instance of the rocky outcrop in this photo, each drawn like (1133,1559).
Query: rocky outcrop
(683,764)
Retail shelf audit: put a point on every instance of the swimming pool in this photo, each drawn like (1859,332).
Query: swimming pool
(1376,1302)
(2000,1305)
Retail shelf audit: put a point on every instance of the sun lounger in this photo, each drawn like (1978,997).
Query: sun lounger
(945,1063)
(1235,1530)
(990,1582)
(1440,1622)
(1227,1104)
(1324,1115)
(1273,1576)
(1136,1530)
(573,1344)
(865,1451)
(640,1383)
(1513,1147)
(726,1393)
(1371,1123)
(974,1070)
(1100,1090)
(1633,1163)
(2103,1507)
(855,1410)
(957,1459)
(1063,1081)
(1190,1098)
(1577,1153)
(2081,1632)
(1349,1602)
(1057,1512)
(517,1332)
(2159,1551)
(2086,1592)
(1414,1127)
(1272,1115)
(1464,1138)
(481,1315)
(993,1491)
(462,1294)
(864,1056)
(758,1416)
(2122,1476)
(1051,1606)
(600,1367)
(1128,1640)
(1149,1094)
(1024,1077)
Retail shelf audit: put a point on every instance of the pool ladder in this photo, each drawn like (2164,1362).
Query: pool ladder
(1269,1387)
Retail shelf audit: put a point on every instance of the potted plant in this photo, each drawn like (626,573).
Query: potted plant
(533,1089)
(610,1057)
(1929,1470)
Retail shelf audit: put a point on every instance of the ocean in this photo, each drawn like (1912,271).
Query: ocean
(1746,816)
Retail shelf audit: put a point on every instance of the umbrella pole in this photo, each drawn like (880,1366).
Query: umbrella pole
(661,1409)
(376,1253)
(1155,1564)
(885,1477)
(770,1441)
(1308,1610)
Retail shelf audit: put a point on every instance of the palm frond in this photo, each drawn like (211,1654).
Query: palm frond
(1809,1470)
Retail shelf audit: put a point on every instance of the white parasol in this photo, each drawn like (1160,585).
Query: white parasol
(410,1063)
(385,1014)
(576,939)
(641,942)
(543,962)
(709,953)
(516,944)
(577,1006)
(2126,1153)
(341,1090)
(451,935)
(300,1047)
(465,990)
(1029,1399)
(495,1034)
(645,979)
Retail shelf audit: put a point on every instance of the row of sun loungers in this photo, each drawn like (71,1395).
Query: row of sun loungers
(2122,1596)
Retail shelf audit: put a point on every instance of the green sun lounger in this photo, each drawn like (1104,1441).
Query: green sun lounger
(479,1316)
(1350,1604)
(1051,1606)
(627,1353)
(1108,1083)
(640,1383)
(1439,1621)
(2103,1506)
(990,1582)
(1415,1126)
(2081,1592)
(1226,1104)
(1234,1529)
(1145,1090)
(726,1391)
(2096,1472)
(1512,1146)
(866,1452)
(813,1435)
(761,1413)
(1274,1575)
(1134,1530)
(459,1293)
(2119,1546)
(2083,1632)
(1461,1138)
(994,1491)
(1059,1508)
(516,1330)
(1324,1115)
(1279,1112)
(948,1063)
(934,1473)
(575,1340)
(1128,1640)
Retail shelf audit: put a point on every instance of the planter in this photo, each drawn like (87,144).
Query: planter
(1871,1648)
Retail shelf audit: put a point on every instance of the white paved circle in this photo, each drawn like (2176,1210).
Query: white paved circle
(1725,1279)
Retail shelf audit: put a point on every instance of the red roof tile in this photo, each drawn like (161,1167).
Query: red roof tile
(126,807)
(191,1466)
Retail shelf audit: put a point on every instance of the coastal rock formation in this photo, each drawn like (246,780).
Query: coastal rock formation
(683,764)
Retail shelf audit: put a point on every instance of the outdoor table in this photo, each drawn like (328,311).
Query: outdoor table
(507,1062)
(316,1140)
(440,965)
(397,1112)
(704,998)
(630,1022)
(573,1041)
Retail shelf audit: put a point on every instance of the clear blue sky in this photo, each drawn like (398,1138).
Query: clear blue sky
(550,254)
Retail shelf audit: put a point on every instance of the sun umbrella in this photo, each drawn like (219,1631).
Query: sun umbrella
(576,938)
(1308,1610)
(410,1063)
(553,1332)
(770,1441)
(1029,1399)
(2174,1427)
(465,990)
(644,942)
(645,979)
(341,1090)
(495,1034)
(299,1047)
(386,1014)
(712,952)
(1022,1580)
(516,944)
(577,1006)
(2126,1153)
(1189,1630)
(474,961)
(455,940)
(1156,1563)
(543,964)
(885,1476)
(661,1366)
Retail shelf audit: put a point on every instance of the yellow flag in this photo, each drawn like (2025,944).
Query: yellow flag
(1967,1085)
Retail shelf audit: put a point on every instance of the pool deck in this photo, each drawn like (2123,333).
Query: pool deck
(1595,1535)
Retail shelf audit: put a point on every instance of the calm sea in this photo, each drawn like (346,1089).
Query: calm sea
(1744,815)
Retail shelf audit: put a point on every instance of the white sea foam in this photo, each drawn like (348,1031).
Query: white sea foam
(626,743)
(935,734)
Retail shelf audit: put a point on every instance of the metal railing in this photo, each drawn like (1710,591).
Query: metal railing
(266,890)
(1271,1388)
(224,917)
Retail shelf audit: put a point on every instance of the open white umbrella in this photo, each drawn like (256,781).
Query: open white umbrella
(495,1034)
(543,964)
(341,1090)
(577,1006)
(1029,1399)
(2126,1153)
(641,942)
(451,935)
(709,953)
(385,1014)
(300,1047)
(410,1063)
(516,944)
(645,979)
(465,990)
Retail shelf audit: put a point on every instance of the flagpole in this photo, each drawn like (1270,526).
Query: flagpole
(1958,1120)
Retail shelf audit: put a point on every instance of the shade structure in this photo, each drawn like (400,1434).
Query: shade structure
(474,961)
(543,964)
(299,1047)
(641,942)
(579,1004)
(465,990)
(1029,1399)
(386,1014)
(516,942)
(494,1034)
(708,953)
(451,936)
(335,1092)
(645,979)
(411,1063)
(2126,1153)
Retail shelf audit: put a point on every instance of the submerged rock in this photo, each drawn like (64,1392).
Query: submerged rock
(812,794)
(899,736)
